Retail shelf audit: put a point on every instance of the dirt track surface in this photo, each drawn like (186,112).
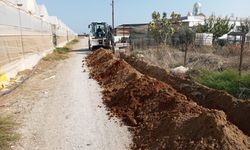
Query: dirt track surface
(161,117)
(60,108)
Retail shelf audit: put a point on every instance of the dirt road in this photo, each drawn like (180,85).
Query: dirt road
(62,109)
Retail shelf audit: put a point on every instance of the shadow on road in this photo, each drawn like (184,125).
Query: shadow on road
(81,51)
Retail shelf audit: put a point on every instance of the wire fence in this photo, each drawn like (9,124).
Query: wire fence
(24,32)
(141,39)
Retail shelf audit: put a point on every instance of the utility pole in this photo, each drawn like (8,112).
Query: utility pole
(113,25)
(113,14)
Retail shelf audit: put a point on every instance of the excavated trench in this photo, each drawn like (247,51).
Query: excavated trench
(160,117)
(237,111)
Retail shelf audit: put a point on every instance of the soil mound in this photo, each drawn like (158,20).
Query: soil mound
(237,111)
(111,73)
(160,117)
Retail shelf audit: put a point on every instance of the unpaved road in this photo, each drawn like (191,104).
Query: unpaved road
(61,109)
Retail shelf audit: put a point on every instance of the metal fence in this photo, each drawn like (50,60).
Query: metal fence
(141,39)
(24,32)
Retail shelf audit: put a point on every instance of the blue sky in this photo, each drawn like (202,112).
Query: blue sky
(77,14)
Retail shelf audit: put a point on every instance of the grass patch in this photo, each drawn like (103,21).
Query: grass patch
(69,44)
(62,50)
(58,54)
(74,41)
(7,134)
(228,80)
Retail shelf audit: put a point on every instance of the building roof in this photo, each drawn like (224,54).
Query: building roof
(193,17)
(132,25)
(236,33)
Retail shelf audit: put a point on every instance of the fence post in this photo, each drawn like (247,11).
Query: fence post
(42,37)
(67,35)
(7,51)
(141,45)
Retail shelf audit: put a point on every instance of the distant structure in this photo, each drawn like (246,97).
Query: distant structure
(189,14)
(197,9)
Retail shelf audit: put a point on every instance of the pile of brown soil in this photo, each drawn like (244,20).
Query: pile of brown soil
(237,111)
(161,117)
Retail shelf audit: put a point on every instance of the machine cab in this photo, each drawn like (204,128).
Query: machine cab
(98,30)
(100,35)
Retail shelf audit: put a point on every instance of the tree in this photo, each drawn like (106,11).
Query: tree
(186,37)
(216,25)
(154,26)
(175,20)
(163,28)
(244,29)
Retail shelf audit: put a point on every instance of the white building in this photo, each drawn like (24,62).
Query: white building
(234,35)
(195,18)
(191,21)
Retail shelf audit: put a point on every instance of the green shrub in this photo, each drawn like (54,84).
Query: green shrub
(228,80)
(58,54)
(62,50)
(75,41)
(72,42)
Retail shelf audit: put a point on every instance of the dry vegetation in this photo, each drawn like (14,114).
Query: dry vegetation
(210,58)
(7,133)
(215,67)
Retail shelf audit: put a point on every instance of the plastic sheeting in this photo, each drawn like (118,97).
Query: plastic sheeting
(28,29)
(43,11)
(31,6)
(29,16)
